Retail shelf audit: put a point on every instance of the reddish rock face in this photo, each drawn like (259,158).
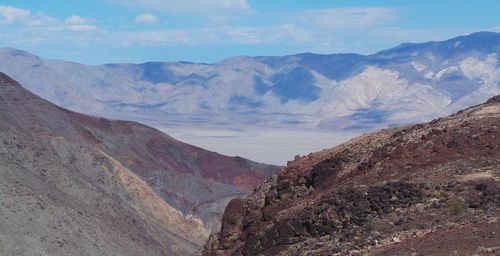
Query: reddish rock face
(405,190)
(149,150)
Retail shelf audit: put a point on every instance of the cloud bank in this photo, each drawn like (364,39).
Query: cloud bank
(146,18)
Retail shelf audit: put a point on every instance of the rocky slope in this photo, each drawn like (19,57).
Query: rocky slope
(428,189)
(408,83)
(79,185)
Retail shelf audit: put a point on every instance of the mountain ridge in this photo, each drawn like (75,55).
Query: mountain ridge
(171,194)
(260,90)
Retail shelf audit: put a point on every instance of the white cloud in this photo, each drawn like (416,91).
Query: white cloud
(347,18)
(284,34)
(9,14)
(156,37)
(82,28)
(194,7)
(77,23)
(335,29)
(146,18)
(75,20)
(22,28)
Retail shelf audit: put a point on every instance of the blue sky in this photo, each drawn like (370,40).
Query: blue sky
(109,31)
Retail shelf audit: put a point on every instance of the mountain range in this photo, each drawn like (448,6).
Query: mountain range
(409,83)
(73,184)
(77,184)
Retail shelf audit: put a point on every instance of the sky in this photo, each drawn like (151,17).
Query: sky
(130,31)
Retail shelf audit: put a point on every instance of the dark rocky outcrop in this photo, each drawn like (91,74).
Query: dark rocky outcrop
(403,191)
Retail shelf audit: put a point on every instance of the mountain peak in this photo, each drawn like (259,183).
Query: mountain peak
(6,80)
(484,33)
(12,92)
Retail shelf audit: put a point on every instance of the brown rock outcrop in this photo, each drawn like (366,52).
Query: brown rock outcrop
(403,191)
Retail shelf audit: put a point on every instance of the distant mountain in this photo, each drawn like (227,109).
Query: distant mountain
(426,189)
(408,83)
(73,184)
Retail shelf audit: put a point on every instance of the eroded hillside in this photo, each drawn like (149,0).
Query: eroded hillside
(79,185)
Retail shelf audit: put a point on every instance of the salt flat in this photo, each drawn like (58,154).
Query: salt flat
(273,146)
